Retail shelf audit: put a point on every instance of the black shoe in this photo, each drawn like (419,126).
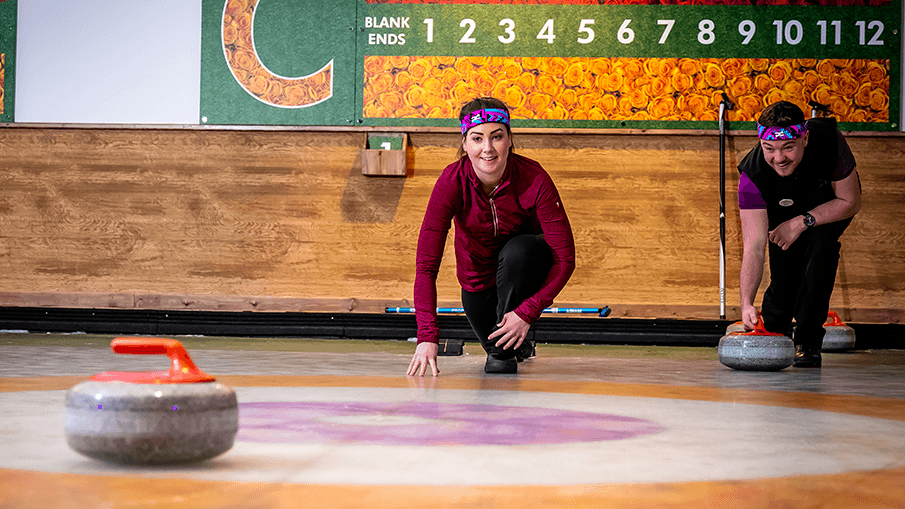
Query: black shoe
(806,357)
(496,365)
(525,351)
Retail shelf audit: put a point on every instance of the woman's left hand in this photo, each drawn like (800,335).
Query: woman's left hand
(512,331)
(425,355)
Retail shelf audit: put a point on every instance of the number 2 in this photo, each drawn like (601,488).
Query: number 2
(467,38)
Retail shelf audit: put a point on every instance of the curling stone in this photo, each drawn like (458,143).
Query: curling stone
(735,327)
(159,417)
(839,337)
(758,350)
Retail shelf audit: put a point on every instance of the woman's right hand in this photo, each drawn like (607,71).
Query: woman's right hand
(425,355)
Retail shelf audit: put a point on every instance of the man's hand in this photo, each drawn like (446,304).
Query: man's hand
(425,355)
(749,317)
(512,331)
(788,232)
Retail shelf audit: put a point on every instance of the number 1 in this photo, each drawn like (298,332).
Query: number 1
(430,29)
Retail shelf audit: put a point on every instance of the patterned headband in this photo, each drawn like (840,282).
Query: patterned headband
(793,132)
(484,116)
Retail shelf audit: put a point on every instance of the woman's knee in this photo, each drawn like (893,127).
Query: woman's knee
(524,251)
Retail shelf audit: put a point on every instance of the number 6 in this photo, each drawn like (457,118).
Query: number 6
(626,34)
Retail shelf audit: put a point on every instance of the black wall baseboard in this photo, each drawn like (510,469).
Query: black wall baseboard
(549,329)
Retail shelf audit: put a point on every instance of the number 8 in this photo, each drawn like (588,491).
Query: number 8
(706,35)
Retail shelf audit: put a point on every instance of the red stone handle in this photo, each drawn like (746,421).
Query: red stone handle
(832,318)
(182,369)
(759,329)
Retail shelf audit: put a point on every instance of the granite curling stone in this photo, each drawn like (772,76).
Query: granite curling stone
(757,350)
(153,418)
(839,337)
(735,327)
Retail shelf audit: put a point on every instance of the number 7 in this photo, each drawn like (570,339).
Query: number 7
(668,23)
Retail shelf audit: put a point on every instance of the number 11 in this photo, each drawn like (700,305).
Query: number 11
(837,25)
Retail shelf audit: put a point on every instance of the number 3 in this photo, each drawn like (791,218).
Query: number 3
(508,25)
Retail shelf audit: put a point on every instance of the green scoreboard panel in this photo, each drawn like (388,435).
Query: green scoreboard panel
(556,63)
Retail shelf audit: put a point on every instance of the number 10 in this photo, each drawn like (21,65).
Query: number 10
(794,24)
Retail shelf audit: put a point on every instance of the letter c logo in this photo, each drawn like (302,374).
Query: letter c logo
(262,84)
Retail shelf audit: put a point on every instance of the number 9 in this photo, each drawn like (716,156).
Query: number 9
(747,28)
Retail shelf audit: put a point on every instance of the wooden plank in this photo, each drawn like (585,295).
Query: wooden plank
(222,219)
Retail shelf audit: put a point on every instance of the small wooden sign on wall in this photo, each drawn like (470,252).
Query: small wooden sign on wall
(384,154)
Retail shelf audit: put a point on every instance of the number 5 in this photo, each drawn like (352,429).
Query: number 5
(584,28)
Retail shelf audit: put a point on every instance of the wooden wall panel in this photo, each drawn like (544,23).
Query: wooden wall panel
(284,220)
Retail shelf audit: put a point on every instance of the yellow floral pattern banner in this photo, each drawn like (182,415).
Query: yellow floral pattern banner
(665,89)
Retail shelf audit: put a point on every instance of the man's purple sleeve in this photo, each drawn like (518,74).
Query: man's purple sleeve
(845,160)
(749,196)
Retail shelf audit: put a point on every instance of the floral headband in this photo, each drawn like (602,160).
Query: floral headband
(793,132)
(484,116)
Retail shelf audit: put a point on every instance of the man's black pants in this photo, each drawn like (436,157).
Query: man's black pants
(801,283)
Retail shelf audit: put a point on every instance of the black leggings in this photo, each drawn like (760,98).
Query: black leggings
(801,283)
(524,263)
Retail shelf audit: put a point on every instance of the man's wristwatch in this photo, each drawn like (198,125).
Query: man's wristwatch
(809,220)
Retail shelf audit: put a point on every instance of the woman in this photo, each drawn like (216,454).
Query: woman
(513,243)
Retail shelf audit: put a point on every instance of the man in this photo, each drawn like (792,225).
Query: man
(799,190)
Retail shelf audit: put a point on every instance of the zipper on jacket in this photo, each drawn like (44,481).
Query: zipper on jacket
(496,221)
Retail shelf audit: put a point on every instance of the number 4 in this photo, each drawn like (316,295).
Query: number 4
(547,32)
